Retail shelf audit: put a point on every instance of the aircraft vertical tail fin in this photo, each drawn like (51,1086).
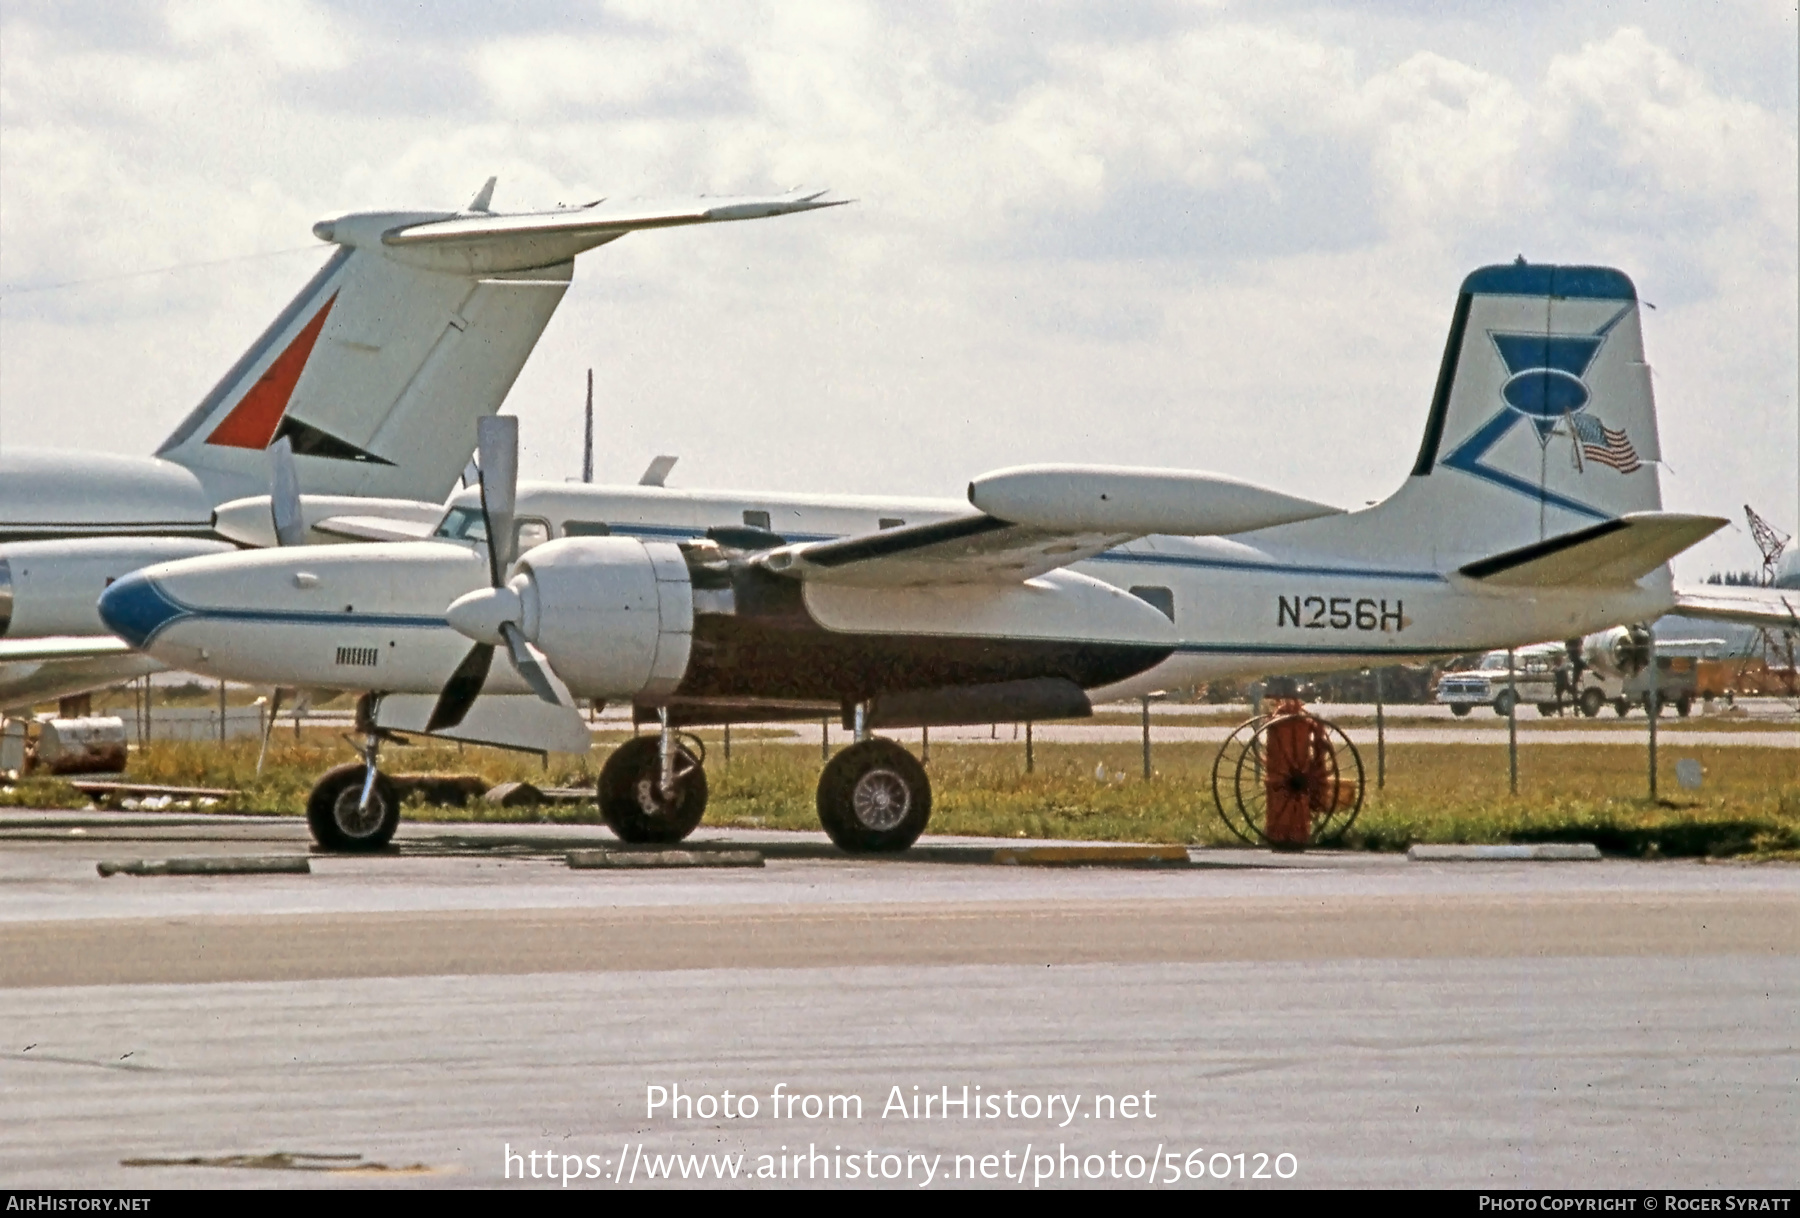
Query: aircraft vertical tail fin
(375,373)
(1542,424)
(415,328)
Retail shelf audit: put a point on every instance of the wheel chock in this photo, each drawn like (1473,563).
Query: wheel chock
(629,859)
(281,864)
(1079,856)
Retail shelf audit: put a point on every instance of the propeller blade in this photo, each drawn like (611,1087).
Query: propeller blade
(535,668)
(498,439)
(284,495)
(462,689)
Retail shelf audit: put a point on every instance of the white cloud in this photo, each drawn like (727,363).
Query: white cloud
(287,35)
(604,75)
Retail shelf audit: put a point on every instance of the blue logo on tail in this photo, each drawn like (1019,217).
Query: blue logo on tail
(1545,388)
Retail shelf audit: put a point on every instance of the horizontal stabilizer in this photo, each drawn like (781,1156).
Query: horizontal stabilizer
(599,219)
(484,241)
(508,721)
(1770,608)
(1611,553)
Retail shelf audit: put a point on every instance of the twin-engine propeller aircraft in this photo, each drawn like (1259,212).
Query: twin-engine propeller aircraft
(373,375)
(1532,512)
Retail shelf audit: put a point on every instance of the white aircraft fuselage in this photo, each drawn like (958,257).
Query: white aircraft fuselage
(1274,600)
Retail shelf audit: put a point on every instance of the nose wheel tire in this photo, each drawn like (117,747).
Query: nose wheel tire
(631,798)
(874,798)
(341,821)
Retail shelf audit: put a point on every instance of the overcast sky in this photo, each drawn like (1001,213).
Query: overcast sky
(1224,236)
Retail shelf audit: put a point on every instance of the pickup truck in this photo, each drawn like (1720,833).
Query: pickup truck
(1546,678)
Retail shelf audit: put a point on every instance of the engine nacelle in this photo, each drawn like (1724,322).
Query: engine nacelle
(50,587)
(613,615)
(1623,651)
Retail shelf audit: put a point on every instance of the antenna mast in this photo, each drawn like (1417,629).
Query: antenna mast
(587,443)
(1770,541)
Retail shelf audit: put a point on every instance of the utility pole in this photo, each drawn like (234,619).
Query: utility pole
(1380,737)
(1512,720)
(1146,737)
(587,443)
(1653,706)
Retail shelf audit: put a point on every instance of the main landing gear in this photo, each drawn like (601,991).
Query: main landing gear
(355,807)
(873,798)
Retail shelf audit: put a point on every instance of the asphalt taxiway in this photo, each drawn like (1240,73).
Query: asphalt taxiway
(1604,1024)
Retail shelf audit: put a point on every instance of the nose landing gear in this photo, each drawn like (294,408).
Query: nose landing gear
(653,788)
(355,807)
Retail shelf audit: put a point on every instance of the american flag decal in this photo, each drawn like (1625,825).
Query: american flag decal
(1601,443)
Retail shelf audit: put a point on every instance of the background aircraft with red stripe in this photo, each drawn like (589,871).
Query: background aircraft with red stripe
(374,376)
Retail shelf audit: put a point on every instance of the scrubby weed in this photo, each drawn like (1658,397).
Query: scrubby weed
(1749,803)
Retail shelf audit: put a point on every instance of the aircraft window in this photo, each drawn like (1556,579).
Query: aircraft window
(757,520)
(463,524)
(585,528)
(532,532)
(891,522)
(1160,599)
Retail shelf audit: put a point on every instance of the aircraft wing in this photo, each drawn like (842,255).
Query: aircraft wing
(1770,608)
(1619,551)
(43,669)
(1033,519)
(973,549)
(61,647)
(374,528)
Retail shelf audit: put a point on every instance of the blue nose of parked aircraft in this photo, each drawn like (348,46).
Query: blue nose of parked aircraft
(136,609)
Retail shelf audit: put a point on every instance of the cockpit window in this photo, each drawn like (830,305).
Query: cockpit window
(466,524)
(463,524)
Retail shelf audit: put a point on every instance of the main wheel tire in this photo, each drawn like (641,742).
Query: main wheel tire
(631,799)
(338,820)
(1460,709)
(874,798)
(1504,703)
(1591,702)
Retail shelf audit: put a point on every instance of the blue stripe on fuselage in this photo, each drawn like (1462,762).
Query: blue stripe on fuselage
(137,609)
